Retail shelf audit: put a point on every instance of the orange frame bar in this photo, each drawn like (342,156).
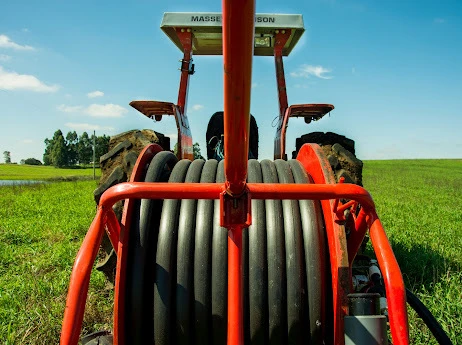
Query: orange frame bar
(80,277)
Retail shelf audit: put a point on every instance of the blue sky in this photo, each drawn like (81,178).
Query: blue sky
(393,70)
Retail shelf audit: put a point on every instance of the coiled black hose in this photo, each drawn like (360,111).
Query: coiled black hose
(177,266)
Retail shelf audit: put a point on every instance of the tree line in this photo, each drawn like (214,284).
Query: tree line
(72,149)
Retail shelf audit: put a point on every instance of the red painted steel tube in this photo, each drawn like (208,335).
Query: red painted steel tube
(280,138)
(238,34)
(235,296)
(158,190)
(80,279)
(113,229)
(280,40)
(185,145)
(357,236)
(186,41)
(185,142)
(394,283)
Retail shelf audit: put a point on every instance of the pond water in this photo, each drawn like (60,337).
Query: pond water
(18,182)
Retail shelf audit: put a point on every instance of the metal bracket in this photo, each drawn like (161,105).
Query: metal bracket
(235,211)
(339,208)
(190,69)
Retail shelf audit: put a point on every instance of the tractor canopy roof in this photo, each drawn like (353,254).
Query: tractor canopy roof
(207,31)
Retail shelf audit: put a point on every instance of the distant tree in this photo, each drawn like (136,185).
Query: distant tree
(85,149)
(102,146)
(22,161)
(197,151)
(72,149)
(47,154)
(7,157)
(59,150)
(72,141)
(32,161)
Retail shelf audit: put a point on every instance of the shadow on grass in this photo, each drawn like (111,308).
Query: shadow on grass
(421,265)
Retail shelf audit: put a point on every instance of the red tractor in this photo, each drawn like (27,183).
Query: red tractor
(231,250)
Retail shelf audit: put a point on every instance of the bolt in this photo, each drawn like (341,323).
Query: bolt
(182,30)
(189,30)
(277,31)
(283,31)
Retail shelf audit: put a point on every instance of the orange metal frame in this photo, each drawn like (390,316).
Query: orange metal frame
(235,195)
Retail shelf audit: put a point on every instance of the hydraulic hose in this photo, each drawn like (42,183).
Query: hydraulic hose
(432,324)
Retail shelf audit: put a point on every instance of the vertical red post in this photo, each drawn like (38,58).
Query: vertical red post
(238,43)
(235,297)
(185,145)
(281,38)
(185,36)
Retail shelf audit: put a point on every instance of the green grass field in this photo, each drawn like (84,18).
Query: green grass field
(41,227)
(41,172)
(420,205)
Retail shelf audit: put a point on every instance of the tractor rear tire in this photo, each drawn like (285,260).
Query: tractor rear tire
(116,167)
(340,151)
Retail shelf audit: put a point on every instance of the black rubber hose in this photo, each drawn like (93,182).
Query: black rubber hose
(294,260)
(219,272)
(257,265)
(315,256)
(165,270)
(185,261)
(203,260)
(141,254)
(432,324)
(277,302)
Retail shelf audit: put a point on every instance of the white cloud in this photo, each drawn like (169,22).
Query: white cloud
(6,42)
(172,135)
(69,109)
(306,71)
(105,110)
(95,110)
(439,20)
(95,94)
(15,81)
(197,107)
(4,58)
(88,127)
